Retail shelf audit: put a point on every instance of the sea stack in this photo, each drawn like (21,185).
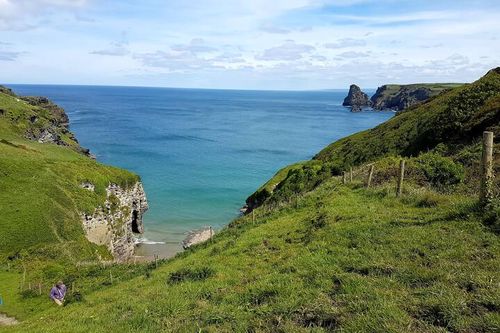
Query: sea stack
(356,99)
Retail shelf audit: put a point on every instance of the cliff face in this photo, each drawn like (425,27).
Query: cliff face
(394,96)
(402,97)
(43,121)
(356,99)
(116,222)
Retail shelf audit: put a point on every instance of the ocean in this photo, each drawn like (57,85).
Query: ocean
(200,152)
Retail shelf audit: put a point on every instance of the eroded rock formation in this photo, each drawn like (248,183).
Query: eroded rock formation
(115,223)
(356,99)
(387,97)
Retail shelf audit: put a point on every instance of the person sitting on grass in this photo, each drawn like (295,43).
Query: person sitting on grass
(58,292)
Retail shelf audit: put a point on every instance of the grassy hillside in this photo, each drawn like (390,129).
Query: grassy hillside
(340,258)
(40,193)
(321,256)
(436,88)
(455,117)
(401,97)
(453,120)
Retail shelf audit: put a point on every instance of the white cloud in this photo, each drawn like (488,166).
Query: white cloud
(272,29)
(9,55)
(345,42)
(229,58)
(115,49)
(238,43)
(353,54)
(400,18)
(20,14)
(197,45)
(287,51)
(174,61)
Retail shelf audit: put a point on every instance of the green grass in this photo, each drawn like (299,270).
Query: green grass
(451,118)
(454,120)
(436,88)
(40,195)
(320,256)
(341,258)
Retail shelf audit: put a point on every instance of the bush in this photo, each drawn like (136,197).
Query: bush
(428,199)
(73,298)
(492,216)
(190,274)
(302,180)
(29,293)
(439,170)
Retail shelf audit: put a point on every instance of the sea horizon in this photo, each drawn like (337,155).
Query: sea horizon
(346,89)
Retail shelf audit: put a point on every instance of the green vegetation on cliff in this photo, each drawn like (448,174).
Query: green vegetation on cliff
(453,120)
(40,194)
(340,258)
(321,256)
(399,97)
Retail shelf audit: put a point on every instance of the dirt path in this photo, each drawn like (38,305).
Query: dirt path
(7,321)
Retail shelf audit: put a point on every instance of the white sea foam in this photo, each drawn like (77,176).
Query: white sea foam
(147,241)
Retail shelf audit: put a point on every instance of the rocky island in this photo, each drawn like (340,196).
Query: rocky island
(356,99)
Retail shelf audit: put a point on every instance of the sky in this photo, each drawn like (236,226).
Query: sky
(254,44)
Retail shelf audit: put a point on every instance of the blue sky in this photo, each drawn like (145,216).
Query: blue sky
(258,44)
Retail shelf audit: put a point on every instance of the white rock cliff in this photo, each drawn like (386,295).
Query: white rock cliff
(115,223)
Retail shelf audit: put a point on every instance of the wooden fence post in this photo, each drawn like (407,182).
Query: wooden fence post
(486,193)
(401,178)
(156,260)
(350,174)
(24,277)
(344,178)
(370,176)
(253,215)
(39,288)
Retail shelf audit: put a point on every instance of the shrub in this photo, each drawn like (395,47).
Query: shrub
(74,297)
(29,293)
(439,170)
(302,180)
(190,274)
(492,216)
(428,199)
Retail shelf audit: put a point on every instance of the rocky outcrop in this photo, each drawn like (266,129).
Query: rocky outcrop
(400,97)
(45,122)
(356,99)
(59,118)
(197,237)
(116,222)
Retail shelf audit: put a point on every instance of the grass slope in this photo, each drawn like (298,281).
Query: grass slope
(339,259)
(455,119)
(436,88)
(329,257)
(40,193)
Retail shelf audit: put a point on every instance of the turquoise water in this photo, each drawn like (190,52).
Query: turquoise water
(200,153)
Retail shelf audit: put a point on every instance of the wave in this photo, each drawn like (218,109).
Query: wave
(147,241)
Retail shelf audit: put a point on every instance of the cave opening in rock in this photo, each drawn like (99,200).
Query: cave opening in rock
(135,223)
